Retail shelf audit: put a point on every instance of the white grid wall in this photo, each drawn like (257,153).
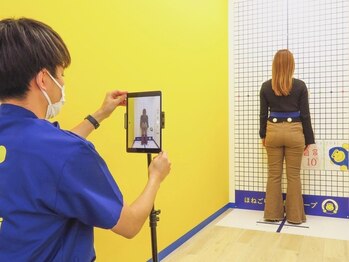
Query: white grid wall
(317,32)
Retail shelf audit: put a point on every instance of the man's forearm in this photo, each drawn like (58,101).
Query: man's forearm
(86,127)
(133,217)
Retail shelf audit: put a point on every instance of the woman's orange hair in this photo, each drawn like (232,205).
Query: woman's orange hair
(282,72)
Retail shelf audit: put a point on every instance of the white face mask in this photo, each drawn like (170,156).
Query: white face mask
(53,109)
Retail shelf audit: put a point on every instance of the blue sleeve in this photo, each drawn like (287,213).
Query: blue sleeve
(87,191)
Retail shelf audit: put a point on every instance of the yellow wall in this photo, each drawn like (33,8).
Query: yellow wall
(177,46)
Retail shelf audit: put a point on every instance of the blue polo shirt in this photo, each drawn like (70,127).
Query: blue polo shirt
(54,188)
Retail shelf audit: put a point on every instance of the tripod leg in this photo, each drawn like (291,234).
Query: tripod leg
(152,223)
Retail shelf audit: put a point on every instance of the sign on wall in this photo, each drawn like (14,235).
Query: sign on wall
(327,155)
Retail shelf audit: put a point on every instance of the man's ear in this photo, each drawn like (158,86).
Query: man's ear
(40,80)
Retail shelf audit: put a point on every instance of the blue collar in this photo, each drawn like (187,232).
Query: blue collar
(13,110)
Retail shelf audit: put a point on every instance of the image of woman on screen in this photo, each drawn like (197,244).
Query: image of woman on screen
(285,132)
(144,127)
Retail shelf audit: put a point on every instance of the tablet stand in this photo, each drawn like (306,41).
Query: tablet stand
(154,214)
(153,219)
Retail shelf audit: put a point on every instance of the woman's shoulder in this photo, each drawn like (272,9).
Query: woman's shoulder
(266,87)
(298,82)
(266,84)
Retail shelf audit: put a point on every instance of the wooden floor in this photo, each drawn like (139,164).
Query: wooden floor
(216,243)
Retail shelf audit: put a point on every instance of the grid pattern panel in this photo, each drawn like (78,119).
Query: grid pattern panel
(317,32)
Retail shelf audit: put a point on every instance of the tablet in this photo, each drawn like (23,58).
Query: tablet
(143,122)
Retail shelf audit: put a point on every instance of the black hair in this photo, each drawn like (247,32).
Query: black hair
(26,47)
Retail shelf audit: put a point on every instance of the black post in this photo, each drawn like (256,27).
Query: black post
(153,219)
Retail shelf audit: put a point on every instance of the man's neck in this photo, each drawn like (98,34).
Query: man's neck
(33,102)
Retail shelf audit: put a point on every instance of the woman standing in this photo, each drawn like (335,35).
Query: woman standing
(144,124)
(286,132)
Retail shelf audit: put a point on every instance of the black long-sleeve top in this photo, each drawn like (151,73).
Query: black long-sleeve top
(297,100)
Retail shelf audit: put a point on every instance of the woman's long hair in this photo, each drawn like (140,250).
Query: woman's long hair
(282,72)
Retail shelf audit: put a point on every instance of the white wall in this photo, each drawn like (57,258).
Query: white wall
(317,32)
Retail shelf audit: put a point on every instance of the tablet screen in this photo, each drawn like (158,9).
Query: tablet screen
(143,114)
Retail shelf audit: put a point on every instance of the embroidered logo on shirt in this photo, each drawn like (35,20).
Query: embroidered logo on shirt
(2,159)
(2,153)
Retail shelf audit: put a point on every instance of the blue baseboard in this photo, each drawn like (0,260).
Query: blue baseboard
(168,250)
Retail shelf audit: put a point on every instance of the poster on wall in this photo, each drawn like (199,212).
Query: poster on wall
(313,157)
(327,155)
(336,155)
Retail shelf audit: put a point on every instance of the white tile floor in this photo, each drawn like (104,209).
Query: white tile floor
(316,226)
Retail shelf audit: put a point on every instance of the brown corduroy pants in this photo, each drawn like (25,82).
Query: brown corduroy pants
(284,141)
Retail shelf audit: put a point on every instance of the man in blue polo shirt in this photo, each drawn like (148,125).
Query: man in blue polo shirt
(54,186)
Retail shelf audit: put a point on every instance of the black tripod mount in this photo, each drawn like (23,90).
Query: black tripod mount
(153,219)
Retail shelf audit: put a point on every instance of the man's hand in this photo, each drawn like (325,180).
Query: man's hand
(133,217)
(111,101)
(160,167)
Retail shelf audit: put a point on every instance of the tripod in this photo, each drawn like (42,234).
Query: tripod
(153,219)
